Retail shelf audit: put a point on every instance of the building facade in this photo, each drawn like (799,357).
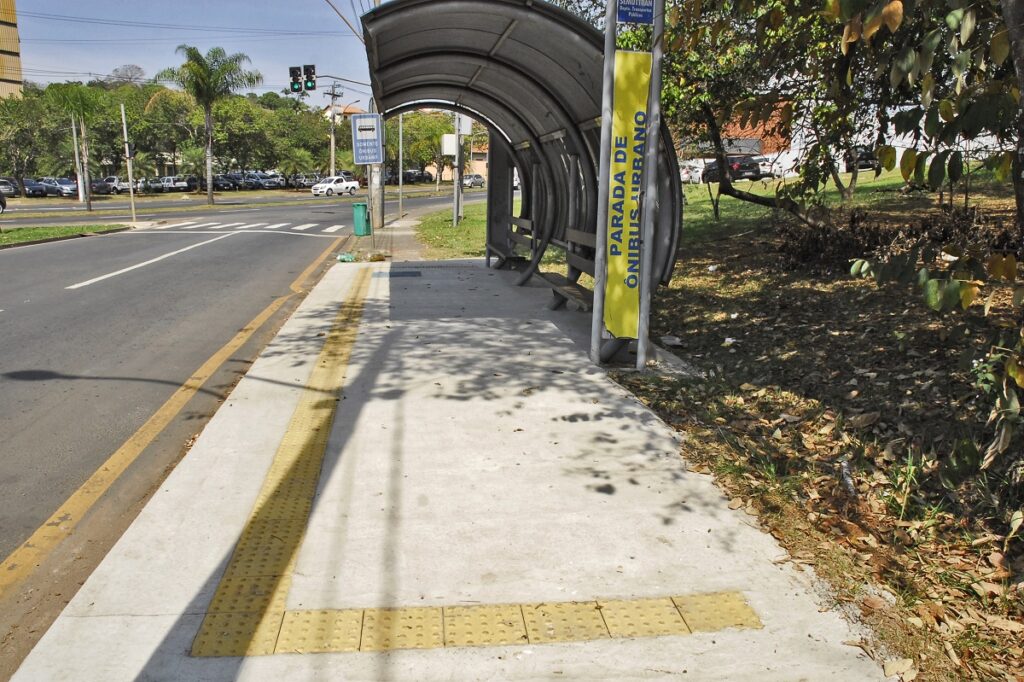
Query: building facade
(10,51)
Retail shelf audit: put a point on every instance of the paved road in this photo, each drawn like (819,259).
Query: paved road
(196,207)
(90,348)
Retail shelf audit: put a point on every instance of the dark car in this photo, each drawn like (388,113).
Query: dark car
(242,182)
(37,189)
(740,168)
(100,187)
(865,158)
(221,183)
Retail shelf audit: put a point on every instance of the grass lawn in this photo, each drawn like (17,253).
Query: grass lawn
(469,239)
(29,234)
(840,412)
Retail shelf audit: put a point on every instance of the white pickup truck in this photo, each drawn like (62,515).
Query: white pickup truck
(117,185)
(335,185)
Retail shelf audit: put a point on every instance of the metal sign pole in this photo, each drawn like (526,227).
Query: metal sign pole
(128,157)
(601,248)
(650,209)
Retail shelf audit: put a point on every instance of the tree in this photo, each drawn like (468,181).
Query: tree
(295,161)
(208,79)
(167,124)
(129,74)
(82,103)
(27,132)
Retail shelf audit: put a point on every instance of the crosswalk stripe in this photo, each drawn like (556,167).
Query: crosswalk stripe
(175,227)
(334,228)
(300,228)
(246,227)
(274,227)
(195,227)
(221,227)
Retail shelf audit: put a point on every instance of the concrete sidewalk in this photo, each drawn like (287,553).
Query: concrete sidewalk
(484,504)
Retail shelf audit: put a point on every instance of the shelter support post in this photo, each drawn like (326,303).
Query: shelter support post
(499,200)
(601,247)
(652,204)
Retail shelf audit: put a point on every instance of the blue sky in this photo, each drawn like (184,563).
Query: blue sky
(283,33)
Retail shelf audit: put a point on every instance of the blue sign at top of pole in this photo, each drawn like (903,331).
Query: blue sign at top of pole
(636,11)
(367,139)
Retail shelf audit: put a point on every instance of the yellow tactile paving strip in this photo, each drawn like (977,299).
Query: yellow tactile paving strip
(247,615)
(247,611)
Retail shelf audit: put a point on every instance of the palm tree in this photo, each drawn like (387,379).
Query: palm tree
(295,161)
(209,78)
(81,103)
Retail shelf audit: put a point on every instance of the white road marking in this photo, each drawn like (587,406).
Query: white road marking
(305,227)
(171,227)
(194,227)
(334,228)
(246,227)
(221,227)
(274,227)
(149,262)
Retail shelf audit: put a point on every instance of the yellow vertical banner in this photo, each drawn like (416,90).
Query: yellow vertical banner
(629,135)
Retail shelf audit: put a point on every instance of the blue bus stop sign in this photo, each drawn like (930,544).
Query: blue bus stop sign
(367,139)
(636,11)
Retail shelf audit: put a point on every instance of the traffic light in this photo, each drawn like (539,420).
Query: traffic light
(309,71)
(296,75)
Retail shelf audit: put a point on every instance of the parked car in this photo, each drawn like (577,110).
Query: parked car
(99,186)
(149,185)
(3,204)
(274,180)
(117,185)
(865,158)
(691,172)
(7,189)
(770,168)
(221,183)
(335,185)
(60,187)
(34,188)
(473,180)
(740,168)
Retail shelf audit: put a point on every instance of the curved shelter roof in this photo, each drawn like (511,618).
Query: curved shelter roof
(532,73)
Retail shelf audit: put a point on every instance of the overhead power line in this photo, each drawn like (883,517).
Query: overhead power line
(168,27)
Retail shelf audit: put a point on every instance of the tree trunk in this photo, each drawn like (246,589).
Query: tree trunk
(85,165)
(209,155)
(725,185)
(1013,17)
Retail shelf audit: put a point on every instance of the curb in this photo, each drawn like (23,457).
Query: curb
(64,238)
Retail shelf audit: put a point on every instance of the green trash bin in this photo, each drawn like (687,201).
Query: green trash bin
(361,220)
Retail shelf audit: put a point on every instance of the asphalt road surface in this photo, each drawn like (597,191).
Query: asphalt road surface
(96,334)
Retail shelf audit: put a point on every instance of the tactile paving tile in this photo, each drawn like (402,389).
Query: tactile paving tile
(285,506)
(249,595)
(643,618)
(564,622)
(403,628)
(320,631)
(716,611)
(266,551)
(238,634)
(484,625)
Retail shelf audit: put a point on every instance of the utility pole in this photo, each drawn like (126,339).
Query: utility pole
(334,94)
(78,162)
(128,156)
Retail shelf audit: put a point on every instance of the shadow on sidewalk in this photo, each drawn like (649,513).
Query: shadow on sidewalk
(419,339)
